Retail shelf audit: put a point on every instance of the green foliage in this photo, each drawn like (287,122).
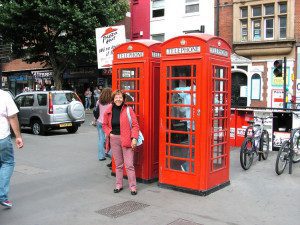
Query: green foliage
(57,32)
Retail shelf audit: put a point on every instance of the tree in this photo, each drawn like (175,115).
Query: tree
(57,33)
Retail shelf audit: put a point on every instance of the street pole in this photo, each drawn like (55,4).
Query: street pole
(284,83)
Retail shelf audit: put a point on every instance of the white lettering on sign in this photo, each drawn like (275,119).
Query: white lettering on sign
(232,132)
(240,132)
(218,51)
(107,38)
(156,54)
(130,55)
(183,50)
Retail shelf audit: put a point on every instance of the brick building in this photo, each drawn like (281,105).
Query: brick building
(262,32)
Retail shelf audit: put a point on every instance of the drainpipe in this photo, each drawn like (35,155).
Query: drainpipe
(217,18)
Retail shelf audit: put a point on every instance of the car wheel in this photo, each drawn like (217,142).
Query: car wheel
(72,129)
(37,127)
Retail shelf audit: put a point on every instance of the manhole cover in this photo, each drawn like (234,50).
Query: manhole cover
(183,222)
(29,170)
(122,209)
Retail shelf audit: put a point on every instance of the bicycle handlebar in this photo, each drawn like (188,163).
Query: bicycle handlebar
(264,118)
(296,114)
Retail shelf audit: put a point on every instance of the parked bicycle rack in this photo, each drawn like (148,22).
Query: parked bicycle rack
(279,127)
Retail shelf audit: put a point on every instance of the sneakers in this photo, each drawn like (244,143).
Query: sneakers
(7,203)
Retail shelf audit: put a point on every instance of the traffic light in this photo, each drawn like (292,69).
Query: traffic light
(277,68)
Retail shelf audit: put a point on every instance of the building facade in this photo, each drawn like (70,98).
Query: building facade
(263,32)
(163,19)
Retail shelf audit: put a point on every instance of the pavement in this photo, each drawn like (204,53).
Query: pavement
(59,181)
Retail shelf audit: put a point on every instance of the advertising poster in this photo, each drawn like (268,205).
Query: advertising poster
(277,98)
(107,38)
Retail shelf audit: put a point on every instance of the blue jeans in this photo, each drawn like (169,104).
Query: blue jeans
(7,164)
(87,103)
(101,140)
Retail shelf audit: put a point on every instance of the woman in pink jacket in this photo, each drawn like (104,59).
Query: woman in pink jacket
(122,139)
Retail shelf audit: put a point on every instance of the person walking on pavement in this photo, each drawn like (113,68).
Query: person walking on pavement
(97,93)
(8,117)
(87,98)
(103,103)
(121,139)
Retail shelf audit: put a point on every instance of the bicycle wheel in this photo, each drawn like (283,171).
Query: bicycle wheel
(246,153)
(282,157)
(296,146)
(264,144)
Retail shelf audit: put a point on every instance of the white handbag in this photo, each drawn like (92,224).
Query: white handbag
(140,139)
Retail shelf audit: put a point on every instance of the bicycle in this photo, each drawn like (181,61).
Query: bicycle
(257,143)
(286,154)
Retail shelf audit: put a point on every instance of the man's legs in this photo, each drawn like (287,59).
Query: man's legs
(6,166)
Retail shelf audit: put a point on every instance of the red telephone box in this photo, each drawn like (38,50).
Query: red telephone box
(195,113)
(136,68)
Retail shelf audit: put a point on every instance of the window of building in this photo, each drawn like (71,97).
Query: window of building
(256,11)
(255,87)
(244,30)
(158,37)
(256,30)
(244,12)
(158,13)
(158,8)
(191,6)
(282,20)
(269,10)
(264,22)
(282,27)
(282,7)
(269,28)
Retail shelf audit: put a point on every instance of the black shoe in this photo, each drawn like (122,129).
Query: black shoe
(109,165)
(117,190)
(107,155)
(102,159)
(133,192)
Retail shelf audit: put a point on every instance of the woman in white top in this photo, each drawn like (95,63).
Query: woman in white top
(103,102)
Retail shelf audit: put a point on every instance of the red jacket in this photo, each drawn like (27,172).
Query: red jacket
(125,132)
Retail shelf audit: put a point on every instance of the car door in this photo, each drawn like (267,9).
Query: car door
(27,108)
(19,102)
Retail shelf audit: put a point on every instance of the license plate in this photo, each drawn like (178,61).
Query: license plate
(65,125)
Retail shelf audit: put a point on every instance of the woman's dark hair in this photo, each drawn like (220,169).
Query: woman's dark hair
(105,96)
(118,92)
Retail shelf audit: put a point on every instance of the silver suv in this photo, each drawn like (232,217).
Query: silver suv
(45,110)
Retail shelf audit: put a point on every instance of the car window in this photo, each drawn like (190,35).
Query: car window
(19,101)
(28,100)
(42,99)
(64,98)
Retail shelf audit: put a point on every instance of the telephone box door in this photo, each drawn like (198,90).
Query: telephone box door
(179,121)
(219,147)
